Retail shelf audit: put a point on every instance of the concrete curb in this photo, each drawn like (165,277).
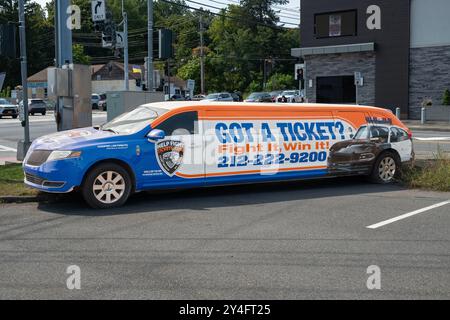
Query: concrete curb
(428,128)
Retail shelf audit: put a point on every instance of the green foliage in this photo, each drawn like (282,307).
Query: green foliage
(280,81)
(79,56)
(446,98)
(235,47)
(434,175)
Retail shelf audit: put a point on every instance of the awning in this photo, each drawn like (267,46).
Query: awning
(347,48)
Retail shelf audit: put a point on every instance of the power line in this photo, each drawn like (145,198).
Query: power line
(225,16)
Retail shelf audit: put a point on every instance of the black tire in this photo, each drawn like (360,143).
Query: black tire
(43,113)
(32,113)
(386,168)
(94,198)
(14,117)
(94,106)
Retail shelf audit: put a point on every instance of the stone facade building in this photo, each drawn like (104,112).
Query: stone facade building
(400,51)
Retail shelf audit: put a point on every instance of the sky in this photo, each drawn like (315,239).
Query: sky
(288,13)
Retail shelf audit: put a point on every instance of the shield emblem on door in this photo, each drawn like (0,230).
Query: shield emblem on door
(170,155)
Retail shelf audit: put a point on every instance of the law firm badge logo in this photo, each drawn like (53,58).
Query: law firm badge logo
(170,155)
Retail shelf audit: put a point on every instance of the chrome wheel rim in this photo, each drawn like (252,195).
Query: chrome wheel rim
(387,169)
(109,187)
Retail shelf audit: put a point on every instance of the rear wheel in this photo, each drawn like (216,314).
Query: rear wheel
(386,169)
(106,186)
(44,112)
(14,117)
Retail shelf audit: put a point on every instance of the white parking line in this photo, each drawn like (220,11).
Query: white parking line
(7,149)
(407,215)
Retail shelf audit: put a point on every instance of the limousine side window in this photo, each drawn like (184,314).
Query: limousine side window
(398,135)
(181,124)
(381,133)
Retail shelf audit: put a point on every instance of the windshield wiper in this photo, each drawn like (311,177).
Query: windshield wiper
(110,130)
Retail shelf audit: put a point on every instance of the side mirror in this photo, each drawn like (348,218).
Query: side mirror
(156,135)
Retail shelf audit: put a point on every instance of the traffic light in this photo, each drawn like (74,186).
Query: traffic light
(108,30)
(8,40)
(99,26)
(165,44)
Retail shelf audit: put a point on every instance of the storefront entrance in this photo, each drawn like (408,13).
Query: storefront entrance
(339,89)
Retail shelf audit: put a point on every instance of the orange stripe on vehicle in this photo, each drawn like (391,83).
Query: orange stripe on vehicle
(219,174)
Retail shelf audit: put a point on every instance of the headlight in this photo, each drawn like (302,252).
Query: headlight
(59,155)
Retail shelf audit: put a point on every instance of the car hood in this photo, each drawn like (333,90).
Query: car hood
(348,143)
(8,106)
(67,140)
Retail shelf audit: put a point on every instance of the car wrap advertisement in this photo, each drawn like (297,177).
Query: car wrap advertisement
(268,147)
(248,146)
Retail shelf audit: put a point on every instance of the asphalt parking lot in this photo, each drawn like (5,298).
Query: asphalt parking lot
(302,240)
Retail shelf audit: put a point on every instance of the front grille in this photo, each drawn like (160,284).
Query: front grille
(38,157)
(34,179)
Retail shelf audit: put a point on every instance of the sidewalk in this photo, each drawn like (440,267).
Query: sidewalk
(8,160)
(429,126)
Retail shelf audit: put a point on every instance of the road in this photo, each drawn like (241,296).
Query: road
(427,143)
(304,240)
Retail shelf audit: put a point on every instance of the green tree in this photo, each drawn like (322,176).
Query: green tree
(446,98)
(79,56)
(280,81)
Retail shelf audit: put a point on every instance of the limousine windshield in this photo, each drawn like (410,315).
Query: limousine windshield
(133,121)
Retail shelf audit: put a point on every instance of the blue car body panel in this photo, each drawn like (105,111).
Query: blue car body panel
(134,151)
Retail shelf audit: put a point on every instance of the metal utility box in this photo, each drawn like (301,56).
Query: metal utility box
(71,86)
(58,82)
(123,101)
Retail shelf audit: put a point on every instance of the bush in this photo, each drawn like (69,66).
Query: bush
(446,98)
(280,81)
(435,175)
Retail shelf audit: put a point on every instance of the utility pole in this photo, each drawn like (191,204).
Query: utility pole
(202,58)
(63,54)
(150,84)
(25,144)
(125,49)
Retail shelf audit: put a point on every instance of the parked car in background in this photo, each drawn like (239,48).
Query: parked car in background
(174,97)
(237,96)
(96,98)
(290,96)
(222,96)
(102,104)
(259,97)
(198,97)
(36,106)
(8,109)
(274,95)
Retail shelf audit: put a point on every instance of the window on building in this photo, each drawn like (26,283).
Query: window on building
(336,24)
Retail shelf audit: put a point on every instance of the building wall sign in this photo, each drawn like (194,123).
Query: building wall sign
(335,25)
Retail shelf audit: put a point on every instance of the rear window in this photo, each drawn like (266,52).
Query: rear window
(37,101)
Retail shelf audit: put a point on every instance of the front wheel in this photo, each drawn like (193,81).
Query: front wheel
(386,168)
(107,186)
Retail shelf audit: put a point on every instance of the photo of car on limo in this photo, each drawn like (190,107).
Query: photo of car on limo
(362,153)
